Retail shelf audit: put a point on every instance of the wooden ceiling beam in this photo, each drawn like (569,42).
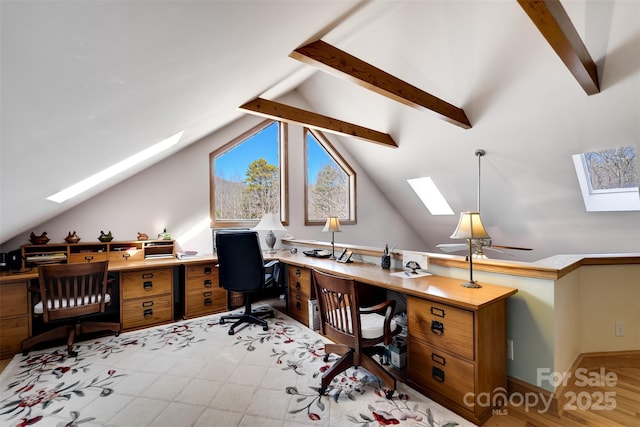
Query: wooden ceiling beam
(334,61)
(277,111)
(556,26)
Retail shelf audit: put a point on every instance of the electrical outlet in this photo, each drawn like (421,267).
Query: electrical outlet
(510,349)
(619,328)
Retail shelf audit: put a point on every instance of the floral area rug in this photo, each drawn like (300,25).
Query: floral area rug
(192,373)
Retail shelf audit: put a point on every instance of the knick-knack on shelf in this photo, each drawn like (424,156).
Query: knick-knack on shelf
(105,237)
(72,238)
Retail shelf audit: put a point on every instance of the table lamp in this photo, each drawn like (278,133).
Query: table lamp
(269,222)
(332,225)
(470,227)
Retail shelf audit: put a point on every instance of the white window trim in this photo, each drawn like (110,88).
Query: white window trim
(619,199)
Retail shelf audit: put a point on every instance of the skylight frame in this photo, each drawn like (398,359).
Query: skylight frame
(430,195)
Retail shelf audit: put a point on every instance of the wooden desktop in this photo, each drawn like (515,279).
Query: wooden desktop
(456,335)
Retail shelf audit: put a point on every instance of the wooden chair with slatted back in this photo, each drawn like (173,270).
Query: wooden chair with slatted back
(356,332)
(69,295)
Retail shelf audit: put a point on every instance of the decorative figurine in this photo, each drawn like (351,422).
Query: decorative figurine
(105,237)
(143,236)
(164,235)
(72,238)
(39,240)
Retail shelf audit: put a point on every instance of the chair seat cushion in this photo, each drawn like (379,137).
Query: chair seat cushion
(37,309)
(372,325)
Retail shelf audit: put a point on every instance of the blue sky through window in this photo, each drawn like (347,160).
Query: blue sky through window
(233,164)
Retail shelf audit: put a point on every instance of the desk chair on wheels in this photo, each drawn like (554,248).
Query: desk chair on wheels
(356,331)
(70,294)
(242,269)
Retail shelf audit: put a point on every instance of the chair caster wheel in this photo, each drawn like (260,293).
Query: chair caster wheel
(389,394)
(325,358)
(117,334)
(222,321)
(322,391)
(265,328)
(231,332)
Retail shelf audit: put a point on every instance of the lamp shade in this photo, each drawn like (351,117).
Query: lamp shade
(270,221)
(332,224)
(470,227)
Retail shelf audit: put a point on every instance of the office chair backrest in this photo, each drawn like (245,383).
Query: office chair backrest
(72,290)
(241,266)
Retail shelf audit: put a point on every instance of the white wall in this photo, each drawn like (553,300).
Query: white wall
(175,194)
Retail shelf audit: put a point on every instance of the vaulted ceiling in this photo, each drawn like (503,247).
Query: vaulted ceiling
(86,84)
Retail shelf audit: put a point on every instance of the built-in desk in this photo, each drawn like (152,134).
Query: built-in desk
(456,335)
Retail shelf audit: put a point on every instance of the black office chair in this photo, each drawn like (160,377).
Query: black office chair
(242,269)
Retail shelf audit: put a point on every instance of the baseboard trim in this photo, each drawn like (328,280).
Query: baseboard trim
(523,388)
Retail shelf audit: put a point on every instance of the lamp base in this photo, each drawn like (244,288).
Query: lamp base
(471,284)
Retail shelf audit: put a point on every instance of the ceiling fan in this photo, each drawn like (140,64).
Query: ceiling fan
(479,245)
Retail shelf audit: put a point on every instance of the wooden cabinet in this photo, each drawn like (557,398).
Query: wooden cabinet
(203,295)
(114,252)
(146,297)
(15,317)
(457,354)
(300,292)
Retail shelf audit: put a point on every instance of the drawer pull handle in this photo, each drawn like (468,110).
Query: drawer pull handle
(439,359)
(297,272)
(147,304)
(297,285)
(88,258)
(147,285)
(437,311)
(147,276)
(437,327)
(298,306)
(207,294)
(208,301)
(298,297)
(207,283)
(207,270)
(437,374)
(148,313)
(126,255)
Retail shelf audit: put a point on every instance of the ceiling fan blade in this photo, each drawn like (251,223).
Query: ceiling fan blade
(492,248)
(452,247)
(511,247)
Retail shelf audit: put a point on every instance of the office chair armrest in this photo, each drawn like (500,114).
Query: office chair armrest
(271,263)
(389,309)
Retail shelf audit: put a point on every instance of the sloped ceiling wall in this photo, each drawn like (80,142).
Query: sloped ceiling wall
(87,84)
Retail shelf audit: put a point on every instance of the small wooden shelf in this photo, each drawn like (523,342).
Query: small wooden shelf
(114,252)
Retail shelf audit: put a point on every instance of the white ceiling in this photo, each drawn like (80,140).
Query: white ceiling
(86,84)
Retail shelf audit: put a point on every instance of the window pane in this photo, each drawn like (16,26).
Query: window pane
(328,184)
(247,177)
(612,169)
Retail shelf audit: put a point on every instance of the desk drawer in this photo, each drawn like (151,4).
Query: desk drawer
(88,257)
(126,256)
(146,312)
(442,326)
(201,302)
(440,371)
(145,283)
(298,307)
(13,299)
(12,331)
(202,270)
(209,281)
(300,281)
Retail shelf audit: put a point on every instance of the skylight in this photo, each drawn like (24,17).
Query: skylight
(103,175)
(432,198)
(608,179)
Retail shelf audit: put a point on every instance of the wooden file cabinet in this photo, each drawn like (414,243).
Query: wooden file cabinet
(299,294)
(203,295)
(15,317)
(455,352)
(146,297)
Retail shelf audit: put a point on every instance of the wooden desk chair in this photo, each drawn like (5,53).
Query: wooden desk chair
(70,293)
(242,269)
(356,332)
